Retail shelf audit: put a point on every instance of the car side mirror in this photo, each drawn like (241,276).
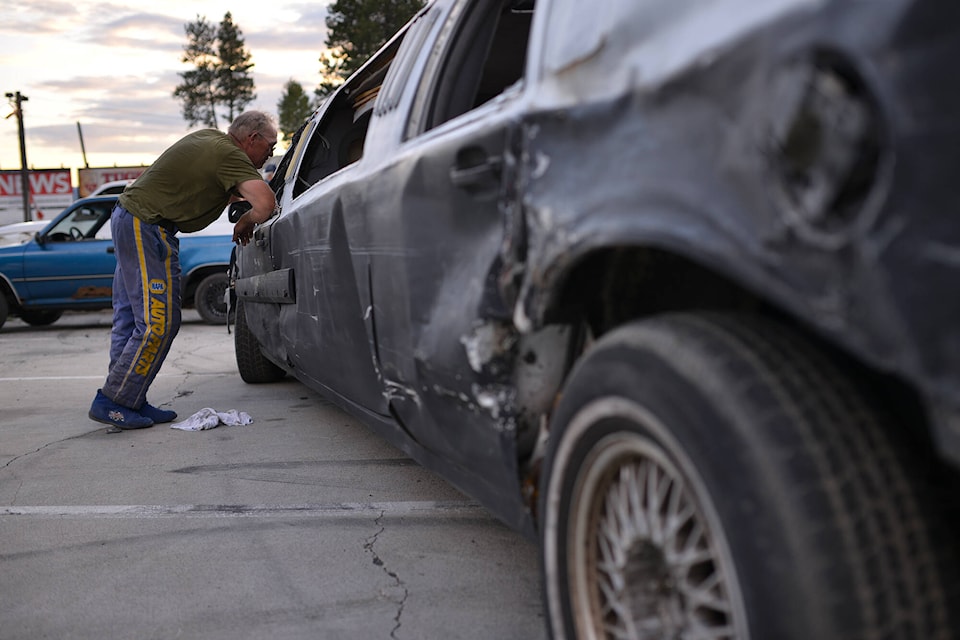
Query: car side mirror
(237,209)
(40,238)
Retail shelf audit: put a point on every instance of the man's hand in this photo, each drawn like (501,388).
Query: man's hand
(243,230)
(260,196)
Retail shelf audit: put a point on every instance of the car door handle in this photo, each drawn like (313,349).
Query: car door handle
(479,174)
(110,250)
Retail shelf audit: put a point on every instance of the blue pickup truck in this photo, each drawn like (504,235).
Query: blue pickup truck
(69,265)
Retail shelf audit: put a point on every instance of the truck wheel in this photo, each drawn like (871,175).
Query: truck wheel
(40,318)
(208,298)
(716,477)
(253,365)
(4,309)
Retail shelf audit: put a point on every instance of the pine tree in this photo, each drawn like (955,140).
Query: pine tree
(197,92)
(293,108)
(221,73)
(355,30)
(234,84)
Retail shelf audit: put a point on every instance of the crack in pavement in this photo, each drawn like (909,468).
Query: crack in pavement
(378,561)
(16,492)
(9,462)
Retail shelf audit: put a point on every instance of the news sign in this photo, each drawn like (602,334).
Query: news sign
(51,191)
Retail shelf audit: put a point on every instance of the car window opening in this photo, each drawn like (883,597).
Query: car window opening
(339,139)
(487,55)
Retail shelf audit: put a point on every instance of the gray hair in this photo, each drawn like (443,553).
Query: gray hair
(250,122)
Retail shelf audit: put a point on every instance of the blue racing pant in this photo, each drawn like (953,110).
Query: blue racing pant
(146,306)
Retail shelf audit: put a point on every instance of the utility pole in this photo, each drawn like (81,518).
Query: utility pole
(83,149)
(24,172)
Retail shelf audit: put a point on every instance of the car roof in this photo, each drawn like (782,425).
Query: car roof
(112,187)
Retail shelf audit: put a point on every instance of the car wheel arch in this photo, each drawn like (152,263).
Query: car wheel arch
(205,291)
(9,300)
(589,286)
(196,275)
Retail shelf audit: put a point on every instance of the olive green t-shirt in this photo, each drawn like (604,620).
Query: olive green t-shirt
(191,182)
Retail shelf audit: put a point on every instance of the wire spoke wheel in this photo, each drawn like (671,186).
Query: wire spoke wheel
(646,561)
(718,477)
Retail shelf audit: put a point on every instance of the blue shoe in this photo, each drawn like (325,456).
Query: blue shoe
(157,415)
(109,412)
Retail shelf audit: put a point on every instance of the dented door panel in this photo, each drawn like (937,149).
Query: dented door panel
(429,270)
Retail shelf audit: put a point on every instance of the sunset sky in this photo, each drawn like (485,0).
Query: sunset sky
(112,67)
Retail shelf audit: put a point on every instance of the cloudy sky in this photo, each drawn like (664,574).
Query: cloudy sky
(113,66)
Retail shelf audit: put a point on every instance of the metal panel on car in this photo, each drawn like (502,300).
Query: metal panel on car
(276,286)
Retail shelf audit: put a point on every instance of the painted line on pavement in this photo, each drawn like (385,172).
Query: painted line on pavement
(101,377)
(420,509)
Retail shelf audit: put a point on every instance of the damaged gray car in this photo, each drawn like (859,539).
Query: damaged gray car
(670,286)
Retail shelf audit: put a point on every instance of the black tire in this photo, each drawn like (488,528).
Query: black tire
(40,318)
(4,309)
(722,475)
(254,367)
(208,298)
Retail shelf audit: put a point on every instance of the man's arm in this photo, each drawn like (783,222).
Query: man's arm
(260,196)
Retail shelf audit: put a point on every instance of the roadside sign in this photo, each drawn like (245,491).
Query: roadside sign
(50,192)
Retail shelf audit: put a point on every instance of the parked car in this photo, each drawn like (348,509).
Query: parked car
(113,187)
(69,265)
(21,232)
(669,286)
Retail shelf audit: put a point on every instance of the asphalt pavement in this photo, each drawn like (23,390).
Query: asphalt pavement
(302,524)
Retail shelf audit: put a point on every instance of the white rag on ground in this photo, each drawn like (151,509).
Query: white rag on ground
(208,418)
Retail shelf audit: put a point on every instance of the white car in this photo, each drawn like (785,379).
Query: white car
(20,232)
(113,187)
